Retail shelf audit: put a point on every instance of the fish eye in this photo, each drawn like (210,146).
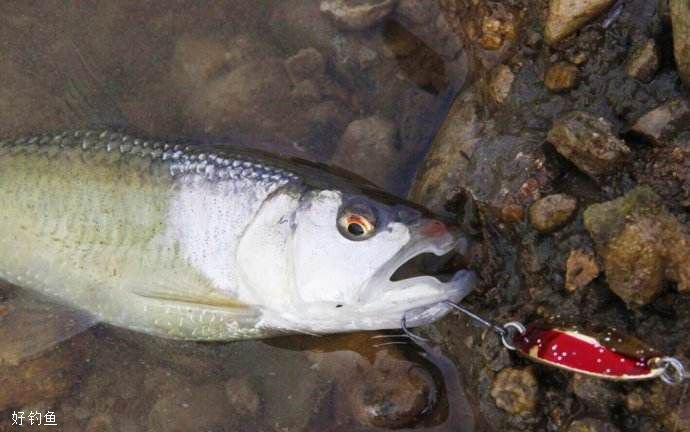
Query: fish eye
(357,222)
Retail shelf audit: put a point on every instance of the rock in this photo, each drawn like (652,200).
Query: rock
(500,84)
(242,396)
(415,11)
(588,142)
(392,396)
(591,425)
(515,390)
(551,212)
(643,62)
(561,77)
(680,20)
(580,269)
(297,24)
(668,404)
(366,147)
(597,394)
(357,14)
(663,122)
(191,408)
(307,64)
(641,244)
(565,17)
(496,30)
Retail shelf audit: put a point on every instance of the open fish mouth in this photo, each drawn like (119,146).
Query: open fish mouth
(428,271)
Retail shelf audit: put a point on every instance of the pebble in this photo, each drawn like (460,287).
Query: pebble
(643,62)
(641,245)
(366,147)
(565,17)
(561,77)
(664,122)
(552,212)
(599,395)
(500,83)
(357,14)
(680,21)
(306,64)
(515,390)
(591,425)
(581,268)
(588,142)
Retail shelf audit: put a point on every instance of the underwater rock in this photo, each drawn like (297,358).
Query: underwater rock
(581,268)
(515,390)
(588,142)
(565,17)
(680,21)
(48,377)
(667,170)
(357,14)
(367,147)
(597,394)
(192,407)
(561,77)
(307,64)
(415,11)
(551,212)
(663,122)
(641,244)
(668,404)
(297,24)
(643,62)
(242,396)
(392,396)
(591,425)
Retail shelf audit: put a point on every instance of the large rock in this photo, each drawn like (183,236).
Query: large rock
(664,122)
(641,244)
(565,17)
(588,142)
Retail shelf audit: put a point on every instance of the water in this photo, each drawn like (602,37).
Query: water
(234,71)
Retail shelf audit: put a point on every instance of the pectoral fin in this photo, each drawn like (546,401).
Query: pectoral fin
(208,297)
(29,326)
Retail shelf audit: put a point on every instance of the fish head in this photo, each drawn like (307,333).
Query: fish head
(345,248)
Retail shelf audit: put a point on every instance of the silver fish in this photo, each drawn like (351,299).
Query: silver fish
(176,242)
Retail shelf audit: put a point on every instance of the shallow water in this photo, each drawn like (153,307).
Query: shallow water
(233,72)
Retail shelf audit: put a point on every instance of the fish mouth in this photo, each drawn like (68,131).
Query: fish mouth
(425,273)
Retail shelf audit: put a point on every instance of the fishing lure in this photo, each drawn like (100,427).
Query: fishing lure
(602,353)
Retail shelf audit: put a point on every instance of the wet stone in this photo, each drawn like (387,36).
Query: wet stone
(680,20)
(663,122)
(242,396)
(190,408)
(641,245)
(552,212)
(393,397)
(500,83)
(588,142)
(357,14)
(580,269)
(415,11)
(307,64)
(565,17)
(599,395)
(561,77)
(591,425)
(366,146)
(515,390)
(644,62)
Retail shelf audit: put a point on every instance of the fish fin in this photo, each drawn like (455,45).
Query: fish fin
(207,297)
(29,326)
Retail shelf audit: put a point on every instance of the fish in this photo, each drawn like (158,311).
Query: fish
(211,244)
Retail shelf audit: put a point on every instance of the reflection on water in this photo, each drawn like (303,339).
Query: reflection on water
(279,75)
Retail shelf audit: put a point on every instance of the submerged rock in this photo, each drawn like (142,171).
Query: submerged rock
(641,244)
(588,142)
(367,147)
(680,20)
(500,83)
(357,14)
(664,122)
(242,395)
(581,268)
(515,390)
(551,212)
(591,425)
(565,17)
(561,77)
(306,64)
(643,62)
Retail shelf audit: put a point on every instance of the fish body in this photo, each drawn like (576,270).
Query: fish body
(175,242)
